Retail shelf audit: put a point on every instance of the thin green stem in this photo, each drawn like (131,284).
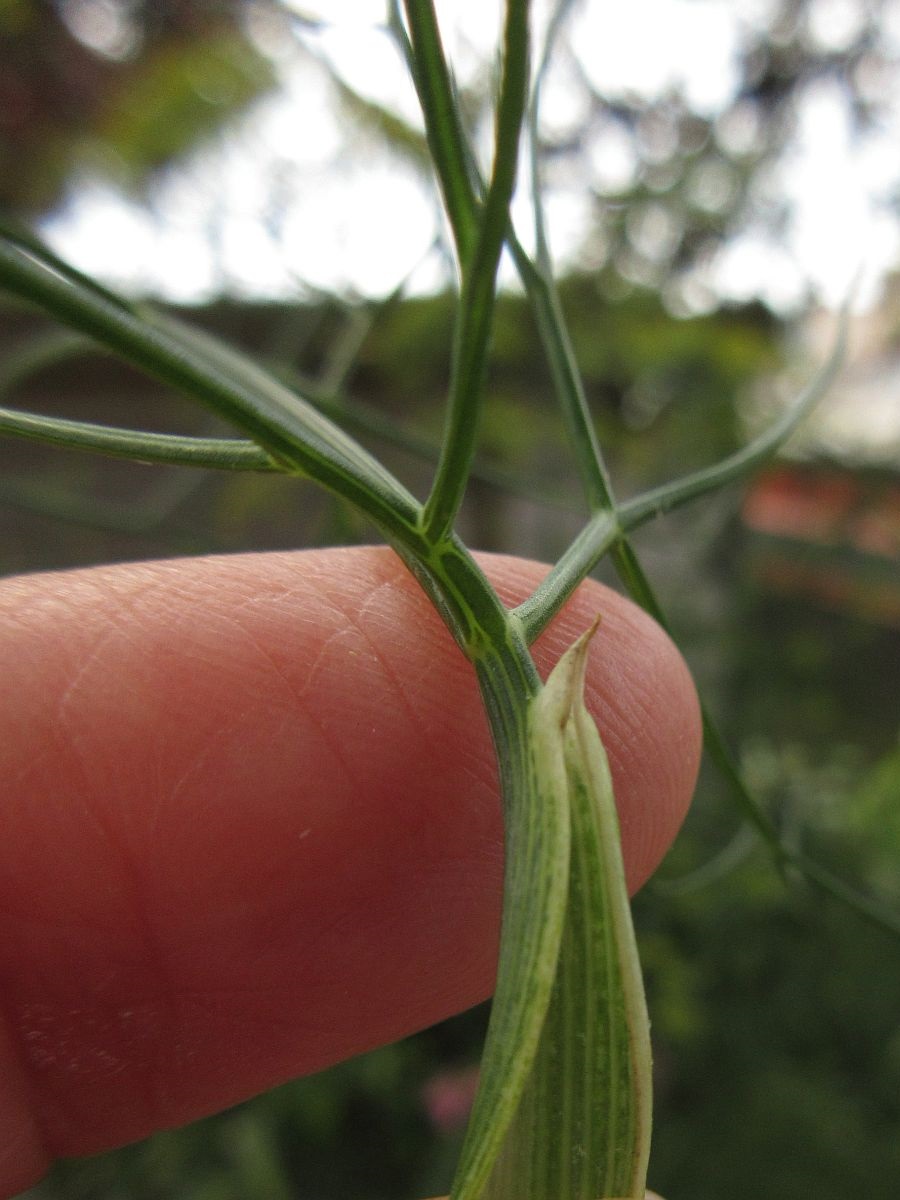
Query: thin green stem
(607,529)
(567,381)
(828,884)
(57,345)
(540,285)
(739,465)
(226,454)
(479,272)
(720,756)
(471,608)
(443,127)
(457,164)
(292,431)
(580,558)
(542,243)
(641,590)
(609,524)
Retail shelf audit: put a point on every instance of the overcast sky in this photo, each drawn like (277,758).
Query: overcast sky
(291,198)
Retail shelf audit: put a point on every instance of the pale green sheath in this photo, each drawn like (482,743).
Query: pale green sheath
(581,1127)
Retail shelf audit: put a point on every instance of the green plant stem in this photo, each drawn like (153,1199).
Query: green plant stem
(478,294)
(609,527)
(537,788)
(471,608)
(228,454)
(57,345)
(537,847)
(458,174)
(456,170)
(579,559)
(540,285)
(743,462)
(16,235)
(293,432)
(443,129)
(639,587)
(536,840)
(632,574)
(566,378)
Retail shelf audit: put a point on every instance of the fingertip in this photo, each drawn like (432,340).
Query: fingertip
(262,833)
(23,1156)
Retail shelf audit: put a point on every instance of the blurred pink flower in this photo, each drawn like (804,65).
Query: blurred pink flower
(448,1097)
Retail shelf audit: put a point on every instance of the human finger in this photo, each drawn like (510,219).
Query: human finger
(252,825)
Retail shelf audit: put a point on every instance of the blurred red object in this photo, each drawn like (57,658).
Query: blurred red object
(831,533)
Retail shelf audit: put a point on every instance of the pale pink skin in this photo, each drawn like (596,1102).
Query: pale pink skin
(251,826)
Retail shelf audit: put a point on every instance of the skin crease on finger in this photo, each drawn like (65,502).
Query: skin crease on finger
(252,825)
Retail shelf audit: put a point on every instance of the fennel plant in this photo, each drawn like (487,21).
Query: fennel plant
(563,1107)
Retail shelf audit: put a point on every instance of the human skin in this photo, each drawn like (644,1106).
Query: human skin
(251,825)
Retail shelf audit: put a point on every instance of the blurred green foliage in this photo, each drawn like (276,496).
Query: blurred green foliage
(775,1018)
(116,90)
(184,94)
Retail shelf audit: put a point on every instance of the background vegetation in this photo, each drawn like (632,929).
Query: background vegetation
(775,1015)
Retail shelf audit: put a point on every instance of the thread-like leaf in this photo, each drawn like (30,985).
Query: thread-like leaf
(479,282)
(443,125)
(228,454)
(609,528)
(291,430)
